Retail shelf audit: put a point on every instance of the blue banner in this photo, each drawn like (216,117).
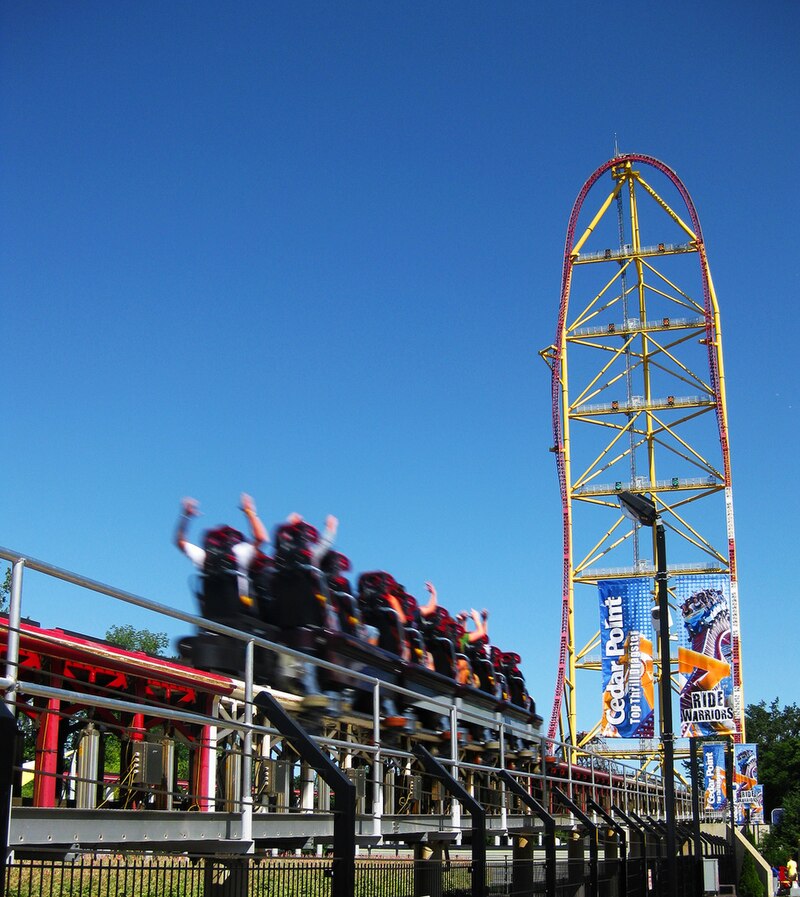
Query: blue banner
(704,655)
(625,638)
(747,797)
(757,805)
(714,778)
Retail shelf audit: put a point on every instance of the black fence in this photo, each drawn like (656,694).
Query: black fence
(151,875)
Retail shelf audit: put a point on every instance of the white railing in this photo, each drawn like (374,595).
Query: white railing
(635,325)
(626,252)
(638,403)
(641,484)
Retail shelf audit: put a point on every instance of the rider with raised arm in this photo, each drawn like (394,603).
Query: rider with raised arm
(241,552)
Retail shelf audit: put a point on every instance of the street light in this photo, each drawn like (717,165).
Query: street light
(643,510)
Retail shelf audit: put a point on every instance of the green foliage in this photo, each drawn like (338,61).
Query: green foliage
(776,731)
(5,591)
(782,840)
(138,639)
(749,881)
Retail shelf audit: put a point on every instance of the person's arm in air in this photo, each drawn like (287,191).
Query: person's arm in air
(326,542)
(430,607)
(480,631)
(259,533)
(188,510)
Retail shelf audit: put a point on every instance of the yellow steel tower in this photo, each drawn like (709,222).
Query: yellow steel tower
(638,394)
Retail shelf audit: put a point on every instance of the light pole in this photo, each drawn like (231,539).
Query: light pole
(643,510)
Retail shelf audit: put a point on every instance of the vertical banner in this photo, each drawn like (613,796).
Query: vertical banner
(757,805)
(704,657)
(625,626)
(745,783)
(714,778)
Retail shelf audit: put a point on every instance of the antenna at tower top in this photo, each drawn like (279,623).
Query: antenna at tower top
(616,145)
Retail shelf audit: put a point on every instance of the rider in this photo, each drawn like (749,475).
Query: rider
(320,548)
(244,551)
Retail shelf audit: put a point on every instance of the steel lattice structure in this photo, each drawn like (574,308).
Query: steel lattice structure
(638,399)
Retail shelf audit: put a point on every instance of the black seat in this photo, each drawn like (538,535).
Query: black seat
(218,597)
(299,598)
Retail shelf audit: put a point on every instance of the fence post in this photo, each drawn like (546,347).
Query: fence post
(14,617)
(549,823)
(226,876)
(623,843)
(576,811)
(428,868)
(8,745)
(697,841)
(344,791)
(434,768)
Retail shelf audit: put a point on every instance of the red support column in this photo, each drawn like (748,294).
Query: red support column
(202,785)
(46,758)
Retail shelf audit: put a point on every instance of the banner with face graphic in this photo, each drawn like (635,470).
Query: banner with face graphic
(704,654)
(625,638)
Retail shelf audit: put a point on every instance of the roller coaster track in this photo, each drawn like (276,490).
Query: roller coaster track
(595,392)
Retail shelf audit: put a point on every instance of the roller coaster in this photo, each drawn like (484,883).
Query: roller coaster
(382,633)
(189,739)
(276,695)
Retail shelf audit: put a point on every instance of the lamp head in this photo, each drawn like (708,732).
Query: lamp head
(638,508)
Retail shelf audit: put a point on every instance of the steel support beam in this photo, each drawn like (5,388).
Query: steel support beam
(623,842)
(8,744)
(549,823)
(344,817)
(594,877)
(434,768)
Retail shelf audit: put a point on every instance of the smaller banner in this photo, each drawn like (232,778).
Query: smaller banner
(745,762)
(746,790)
(749,808)
(714,778)
(627,659)
(757,805)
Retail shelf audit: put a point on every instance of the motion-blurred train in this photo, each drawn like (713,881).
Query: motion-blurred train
(378,631)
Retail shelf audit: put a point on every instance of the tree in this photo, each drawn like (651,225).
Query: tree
(749,880)
(776,731)
(5,591)
(138,639)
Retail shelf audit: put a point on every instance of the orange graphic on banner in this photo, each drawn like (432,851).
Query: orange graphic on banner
(715,670)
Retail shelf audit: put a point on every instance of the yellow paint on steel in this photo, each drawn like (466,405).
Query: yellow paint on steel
(645,353)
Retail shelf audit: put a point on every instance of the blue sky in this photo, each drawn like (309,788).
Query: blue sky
(311,251)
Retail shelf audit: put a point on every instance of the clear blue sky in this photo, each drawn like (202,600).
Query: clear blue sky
(311,250)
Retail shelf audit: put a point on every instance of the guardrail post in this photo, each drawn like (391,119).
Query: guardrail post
(641,840)
(656,841)
(549,831)
(14,617)
(226,876)
(247,749)
(434,768)
(8,745)
(428,869)
(344,791)
(594,889)
(697,841)
(638,856)
(623,843)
